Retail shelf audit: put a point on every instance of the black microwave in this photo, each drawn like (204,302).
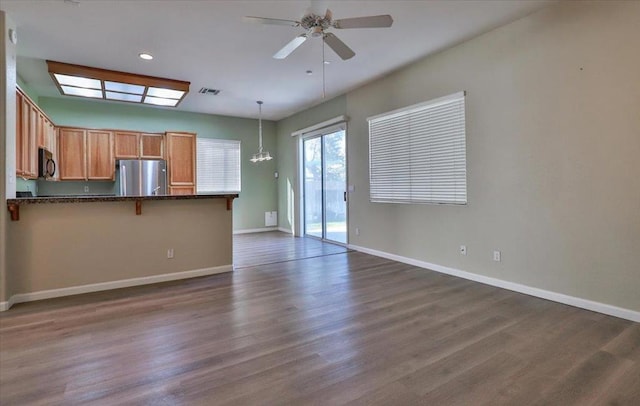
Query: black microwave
(46,164)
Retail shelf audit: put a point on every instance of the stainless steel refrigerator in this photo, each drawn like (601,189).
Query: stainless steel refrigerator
(141,177)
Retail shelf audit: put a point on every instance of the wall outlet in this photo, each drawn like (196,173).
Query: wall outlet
(170,253)
(463,250)
(86,189)
(497,256)
(357,231)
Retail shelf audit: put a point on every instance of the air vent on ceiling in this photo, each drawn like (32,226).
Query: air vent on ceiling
(206,90)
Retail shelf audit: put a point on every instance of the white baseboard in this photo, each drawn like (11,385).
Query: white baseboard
(123,283)
(6,305)
(285,230)
(516,287)
(255,230)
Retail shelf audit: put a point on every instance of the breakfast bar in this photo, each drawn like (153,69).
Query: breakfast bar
(13,205)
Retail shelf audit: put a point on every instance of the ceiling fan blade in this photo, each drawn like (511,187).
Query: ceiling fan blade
(328,15)
(272,21)
(364,22)
(290,47)
(338,46)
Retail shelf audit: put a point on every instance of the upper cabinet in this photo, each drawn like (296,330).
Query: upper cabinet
(151,146)
(19,136)
(86,154)
(72,150)
(181,151)
(134,145)
(27,127)
(101,164)
(127,145)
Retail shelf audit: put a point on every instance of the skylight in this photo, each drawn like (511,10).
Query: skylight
(84,81)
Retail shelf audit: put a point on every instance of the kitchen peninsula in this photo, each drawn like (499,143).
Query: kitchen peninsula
(13,205)
(69,245)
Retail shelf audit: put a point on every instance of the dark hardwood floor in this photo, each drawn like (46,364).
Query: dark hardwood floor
(344,328)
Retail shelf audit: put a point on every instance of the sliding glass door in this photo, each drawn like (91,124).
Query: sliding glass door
(325,186)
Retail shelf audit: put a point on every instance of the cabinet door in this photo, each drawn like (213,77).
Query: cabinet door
(101,164)
(30,147)
(41,130)
(181,190)
(152,146)
(72,154)
(127,145)
(19,136)
(49,135)
(182,159)
(54,151)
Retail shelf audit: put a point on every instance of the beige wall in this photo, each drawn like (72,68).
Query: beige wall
(553,143)
(63,245)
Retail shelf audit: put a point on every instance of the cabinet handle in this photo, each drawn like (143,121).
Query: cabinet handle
(123,179)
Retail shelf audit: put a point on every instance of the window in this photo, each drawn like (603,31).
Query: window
(418,154)
(218,165)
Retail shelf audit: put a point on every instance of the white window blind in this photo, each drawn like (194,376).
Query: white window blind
(418,154)
(218,165)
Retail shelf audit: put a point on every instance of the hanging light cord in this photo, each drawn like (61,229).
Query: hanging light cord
(323,75)
(260,125)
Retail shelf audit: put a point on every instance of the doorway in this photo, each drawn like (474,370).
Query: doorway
(325,186)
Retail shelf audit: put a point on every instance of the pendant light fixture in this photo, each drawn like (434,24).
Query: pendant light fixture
(261,155)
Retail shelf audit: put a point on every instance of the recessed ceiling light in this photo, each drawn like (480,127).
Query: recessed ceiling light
(327,62)
(145,56)
(309,72)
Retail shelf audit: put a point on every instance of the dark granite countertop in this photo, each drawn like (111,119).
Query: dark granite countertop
(106,198)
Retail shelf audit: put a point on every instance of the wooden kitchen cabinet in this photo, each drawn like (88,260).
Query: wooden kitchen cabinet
(19,136)
(85,154)
(33,130)
(28,141)
(151,146)
(181,152)
(49,135)
(134,145)
(101,164)
(72,155)
(41,130)
(127,144)
(54,150)
(182,190)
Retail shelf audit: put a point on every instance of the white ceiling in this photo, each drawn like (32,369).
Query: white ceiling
(208,44)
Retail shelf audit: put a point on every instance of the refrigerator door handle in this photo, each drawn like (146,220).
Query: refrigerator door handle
(123,179)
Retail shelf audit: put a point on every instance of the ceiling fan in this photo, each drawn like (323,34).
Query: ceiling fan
(316,26)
